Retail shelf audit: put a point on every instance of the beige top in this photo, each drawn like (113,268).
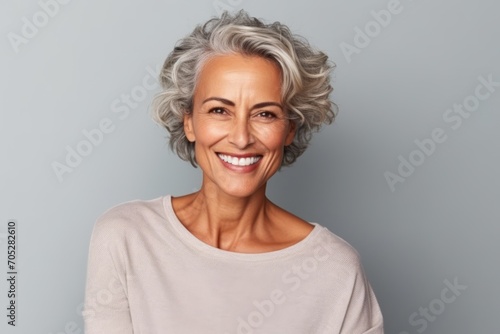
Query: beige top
(148,274)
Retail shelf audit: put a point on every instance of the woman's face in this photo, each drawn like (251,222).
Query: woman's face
(238,123)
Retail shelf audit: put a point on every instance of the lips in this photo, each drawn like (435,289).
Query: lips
(239,160)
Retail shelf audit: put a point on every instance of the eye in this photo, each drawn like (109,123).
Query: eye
(267,115)
(217,110)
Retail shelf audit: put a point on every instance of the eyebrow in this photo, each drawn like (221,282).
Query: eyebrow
(231,103)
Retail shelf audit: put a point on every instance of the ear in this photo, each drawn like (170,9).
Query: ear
(292,128)
(188,127)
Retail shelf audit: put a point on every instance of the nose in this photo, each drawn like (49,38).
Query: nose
(240,133)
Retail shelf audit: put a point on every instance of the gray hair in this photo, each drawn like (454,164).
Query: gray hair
(305,77)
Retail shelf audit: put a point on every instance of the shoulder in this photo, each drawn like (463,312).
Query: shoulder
(343,281)
(340,256)
(340,274)
(119,220)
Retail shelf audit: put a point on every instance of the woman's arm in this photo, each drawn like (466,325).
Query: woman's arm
(106,307)
(363,313)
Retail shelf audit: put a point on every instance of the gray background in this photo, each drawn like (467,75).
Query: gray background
(441,224)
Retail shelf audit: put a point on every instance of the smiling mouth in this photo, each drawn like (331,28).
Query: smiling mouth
(243,161)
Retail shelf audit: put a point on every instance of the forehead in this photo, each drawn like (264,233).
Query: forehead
(237,73)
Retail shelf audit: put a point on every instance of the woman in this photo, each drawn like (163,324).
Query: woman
(240,100)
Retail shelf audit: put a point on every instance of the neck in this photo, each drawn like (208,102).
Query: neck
(222,220)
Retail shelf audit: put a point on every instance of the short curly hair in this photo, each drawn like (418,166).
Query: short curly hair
(305,77)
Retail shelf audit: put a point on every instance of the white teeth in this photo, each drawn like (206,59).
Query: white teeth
(239,162)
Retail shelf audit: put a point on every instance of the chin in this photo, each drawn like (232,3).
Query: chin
(242,192)
(238,189)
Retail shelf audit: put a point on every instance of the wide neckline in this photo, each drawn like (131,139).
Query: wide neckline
(193,242)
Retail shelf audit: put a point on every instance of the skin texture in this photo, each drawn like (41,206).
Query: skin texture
(237,111)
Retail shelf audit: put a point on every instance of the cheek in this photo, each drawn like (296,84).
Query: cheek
(273,135)
(208,133)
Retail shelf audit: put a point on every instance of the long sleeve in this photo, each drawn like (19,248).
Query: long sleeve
(346,301)
(147,274)
(363,313)
(106,308)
